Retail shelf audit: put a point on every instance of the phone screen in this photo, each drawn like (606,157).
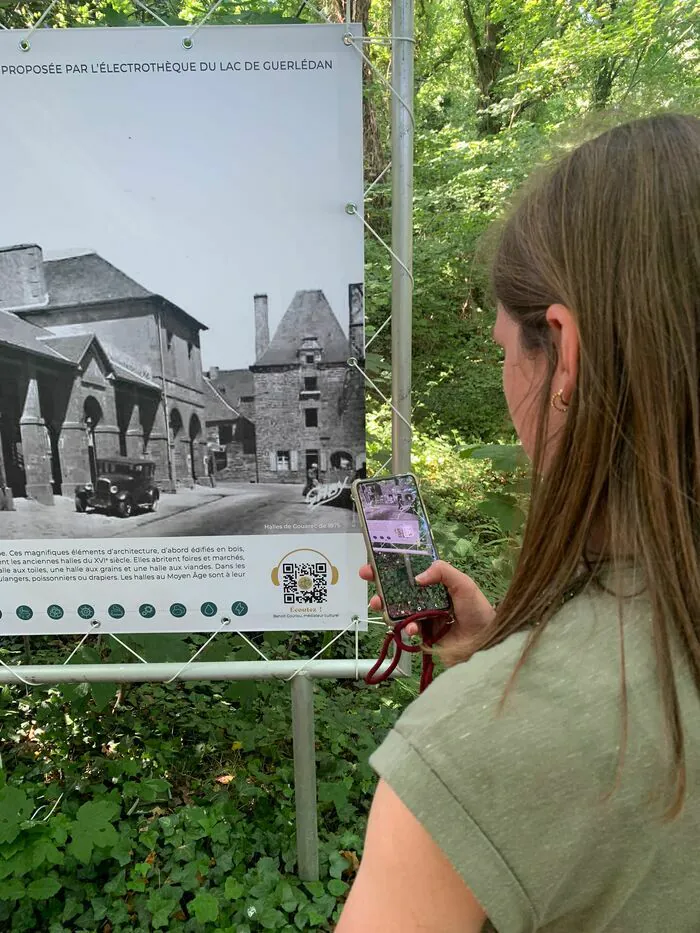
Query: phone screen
(402,546)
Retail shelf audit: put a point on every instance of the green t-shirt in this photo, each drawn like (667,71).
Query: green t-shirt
(520,801)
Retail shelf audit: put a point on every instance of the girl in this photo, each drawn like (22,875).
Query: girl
(551,783)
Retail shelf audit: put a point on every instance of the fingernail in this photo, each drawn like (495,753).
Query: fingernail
(420,577)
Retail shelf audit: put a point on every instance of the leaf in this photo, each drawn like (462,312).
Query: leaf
(245,691)
(338,864)
(315,888)
(205,907)
(103,694)
(152,789)
(12,890)
(233,889)
(43,888)
(163,647)
(225,779)
(46,851)
(271,919)
(336,887)
(93,828)
(505,509)
(161,904)
(503,457)
(15,807)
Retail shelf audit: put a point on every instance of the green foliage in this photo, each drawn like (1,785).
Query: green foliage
(175,810)
(499,84)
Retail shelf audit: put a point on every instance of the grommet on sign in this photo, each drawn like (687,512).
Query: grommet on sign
(188,41)
(24,44)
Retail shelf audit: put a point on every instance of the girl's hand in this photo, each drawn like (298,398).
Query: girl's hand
(471,609)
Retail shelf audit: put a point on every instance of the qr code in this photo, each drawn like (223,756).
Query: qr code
(305,583)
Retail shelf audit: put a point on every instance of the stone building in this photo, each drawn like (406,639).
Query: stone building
(300,403)
(230,423)
(92,364)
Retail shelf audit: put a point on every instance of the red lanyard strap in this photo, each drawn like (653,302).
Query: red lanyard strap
(431,633)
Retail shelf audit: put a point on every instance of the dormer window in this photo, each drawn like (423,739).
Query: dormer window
(310,351)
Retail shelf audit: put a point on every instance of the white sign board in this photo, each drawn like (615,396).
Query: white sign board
(180,293)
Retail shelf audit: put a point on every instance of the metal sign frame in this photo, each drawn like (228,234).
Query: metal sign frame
(301,674)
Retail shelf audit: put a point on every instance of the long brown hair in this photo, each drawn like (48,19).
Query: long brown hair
(612,231)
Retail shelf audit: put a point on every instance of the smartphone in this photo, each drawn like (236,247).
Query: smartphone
(399,544)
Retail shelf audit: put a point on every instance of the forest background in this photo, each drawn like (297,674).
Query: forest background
(171,807)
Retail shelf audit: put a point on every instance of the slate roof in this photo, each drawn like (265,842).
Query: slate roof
(88,278)
(73,348)
(233,384)
(14,332)
(217,408)
(309,315)
(126,375)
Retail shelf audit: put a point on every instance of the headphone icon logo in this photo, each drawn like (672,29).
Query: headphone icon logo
(293,567)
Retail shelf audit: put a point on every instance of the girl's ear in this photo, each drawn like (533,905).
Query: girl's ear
(564,332)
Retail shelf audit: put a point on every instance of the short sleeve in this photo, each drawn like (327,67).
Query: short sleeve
(428,758)
(518,794)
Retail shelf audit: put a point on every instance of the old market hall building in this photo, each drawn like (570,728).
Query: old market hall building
(299,404)
(93,365)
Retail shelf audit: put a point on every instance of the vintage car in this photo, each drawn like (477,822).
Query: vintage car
(122,486)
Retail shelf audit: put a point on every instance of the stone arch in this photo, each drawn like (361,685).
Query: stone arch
(342,460)
(179,444)
(195,427)
(92,412)
(176,422)
(92,416)
(195,432)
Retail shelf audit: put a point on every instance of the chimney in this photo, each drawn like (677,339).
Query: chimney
(262,327)
(356,326)
(213,373)
(22,281)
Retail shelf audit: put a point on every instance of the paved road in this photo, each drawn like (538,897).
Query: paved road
(260,506)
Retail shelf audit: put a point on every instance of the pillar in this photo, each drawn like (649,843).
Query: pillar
(160,452)
(134,433)
(107,430)
(36,447)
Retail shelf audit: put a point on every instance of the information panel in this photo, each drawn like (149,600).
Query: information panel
(181,289)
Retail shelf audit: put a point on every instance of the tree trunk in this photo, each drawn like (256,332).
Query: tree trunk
(487,64)
(603,83)
(376,156)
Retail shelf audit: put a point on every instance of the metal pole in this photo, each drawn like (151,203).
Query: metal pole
(401,229)
(401,240)
(305,777)
(199,670)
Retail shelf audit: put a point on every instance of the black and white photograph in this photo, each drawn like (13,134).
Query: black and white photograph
(178,308)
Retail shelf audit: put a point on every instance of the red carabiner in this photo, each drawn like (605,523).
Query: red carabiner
(431,636)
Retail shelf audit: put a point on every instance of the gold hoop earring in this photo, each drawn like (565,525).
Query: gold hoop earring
(558,403)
